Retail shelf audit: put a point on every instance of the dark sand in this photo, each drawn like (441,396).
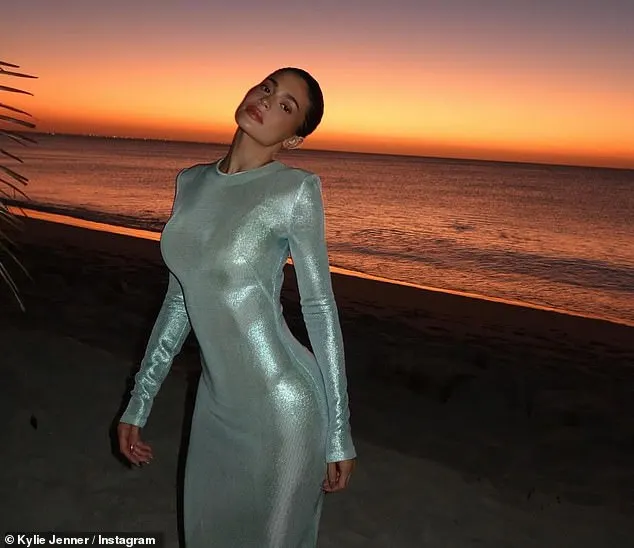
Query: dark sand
(477,423)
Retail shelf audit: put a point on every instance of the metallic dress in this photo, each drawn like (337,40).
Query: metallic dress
(269,413)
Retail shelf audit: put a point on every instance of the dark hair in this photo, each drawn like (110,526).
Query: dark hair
(315,110)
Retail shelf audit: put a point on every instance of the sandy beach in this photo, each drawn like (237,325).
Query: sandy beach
(477,423)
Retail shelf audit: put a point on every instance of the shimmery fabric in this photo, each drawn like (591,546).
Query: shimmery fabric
(269,414)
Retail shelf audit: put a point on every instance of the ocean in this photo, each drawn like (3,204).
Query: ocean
(552,236)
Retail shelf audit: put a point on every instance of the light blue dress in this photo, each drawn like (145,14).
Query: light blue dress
(269,414)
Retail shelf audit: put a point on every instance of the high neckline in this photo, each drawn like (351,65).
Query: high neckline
(256,170)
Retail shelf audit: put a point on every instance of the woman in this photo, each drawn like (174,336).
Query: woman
(270,431)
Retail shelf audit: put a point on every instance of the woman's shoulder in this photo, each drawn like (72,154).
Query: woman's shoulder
(186,176)
(298,176)
(193,171)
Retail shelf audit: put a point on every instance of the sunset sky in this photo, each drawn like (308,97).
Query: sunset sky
(511,80)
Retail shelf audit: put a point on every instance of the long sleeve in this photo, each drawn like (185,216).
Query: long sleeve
(168,335)
(307,242)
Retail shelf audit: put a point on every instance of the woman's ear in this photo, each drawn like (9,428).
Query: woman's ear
(292,142)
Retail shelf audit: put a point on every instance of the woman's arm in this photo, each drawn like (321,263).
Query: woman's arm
(310,258)
(166,340)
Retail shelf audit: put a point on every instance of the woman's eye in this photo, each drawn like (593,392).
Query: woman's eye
(286,108)
(265,88)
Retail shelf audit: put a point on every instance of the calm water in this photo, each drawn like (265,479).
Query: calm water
(561,237)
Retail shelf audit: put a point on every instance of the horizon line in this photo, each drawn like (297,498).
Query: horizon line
(335,151)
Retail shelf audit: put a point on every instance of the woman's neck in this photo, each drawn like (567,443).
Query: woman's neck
(245,154)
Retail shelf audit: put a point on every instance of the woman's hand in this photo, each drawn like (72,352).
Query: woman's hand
(338,475)
(131,446)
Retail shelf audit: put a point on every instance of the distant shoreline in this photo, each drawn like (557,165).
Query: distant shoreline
(332,151)
(43,215)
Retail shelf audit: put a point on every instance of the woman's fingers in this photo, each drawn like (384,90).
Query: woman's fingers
(142,451)
(331,477)
(131,447)
(338,475)
(332,474)
(123,434)
(345,468)
(139,453)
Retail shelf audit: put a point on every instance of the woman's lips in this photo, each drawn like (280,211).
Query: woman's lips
(254,113)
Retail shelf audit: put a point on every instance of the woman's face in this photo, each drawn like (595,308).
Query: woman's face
(272,111)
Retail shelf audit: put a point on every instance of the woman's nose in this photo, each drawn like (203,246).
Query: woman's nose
(265,102)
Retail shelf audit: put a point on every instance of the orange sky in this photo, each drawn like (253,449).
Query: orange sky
(503,86)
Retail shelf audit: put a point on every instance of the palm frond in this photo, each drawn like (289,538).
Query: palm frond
(13,120)
(14,175)
(15,189)
(17,137)
(11,180)
(7,218)
(13,90)
(6,277)
(19,111)
(12,156)
(5,72)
